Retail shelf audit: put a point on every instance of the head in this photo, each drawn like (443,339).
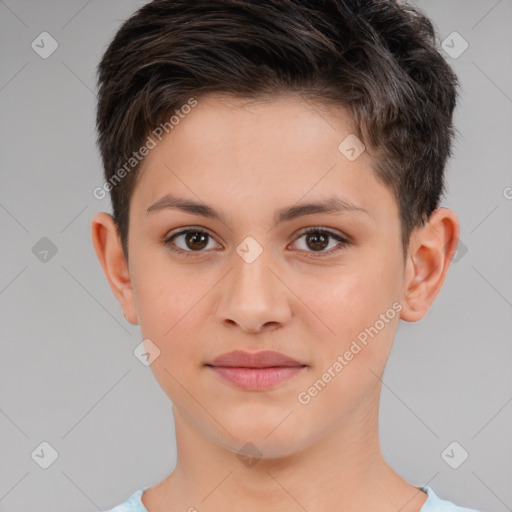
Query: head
(249,109)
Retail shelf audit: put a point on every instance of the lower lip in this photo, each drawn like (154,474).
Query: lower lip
(256,379)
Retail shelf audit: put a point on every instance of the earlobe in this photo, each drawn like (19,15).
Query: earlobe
(109,251)
(429,256)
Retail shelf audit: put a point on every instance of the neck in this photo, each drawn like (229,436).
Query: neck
(344,470)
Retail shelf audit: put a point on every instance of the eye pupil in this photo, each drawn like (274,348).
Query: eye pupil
(196,237)
(319,245)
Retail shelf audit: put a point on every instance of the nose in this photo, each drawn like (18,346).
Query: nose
(253,296)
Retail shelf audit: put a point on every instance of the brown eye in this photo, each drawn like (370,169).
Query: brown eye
(317,240)
(196,240)
(189,241)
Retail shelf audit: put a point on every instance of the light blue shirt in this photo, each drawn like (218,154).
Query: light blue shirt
(433,503)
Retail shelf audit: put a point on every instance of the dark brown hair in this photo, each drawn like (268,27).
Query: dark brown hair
(378,58)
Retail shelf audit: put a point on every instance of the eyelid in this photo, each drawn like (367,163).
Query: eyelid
(322,229)
(182,230)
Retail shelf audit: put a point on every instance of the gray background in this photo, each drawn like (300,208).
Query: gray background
(68,374)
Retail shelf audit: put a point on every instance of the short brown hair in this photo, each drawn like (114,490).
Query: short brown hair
(378,58)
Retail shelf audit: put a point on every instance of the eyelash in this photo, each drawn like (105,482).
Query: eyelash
(343,242)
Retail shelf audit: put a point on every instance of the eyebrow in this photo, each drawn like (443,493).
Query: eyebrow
(332,204)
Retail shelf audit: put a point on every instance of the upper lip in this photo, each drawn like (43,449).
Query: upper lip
(262,359)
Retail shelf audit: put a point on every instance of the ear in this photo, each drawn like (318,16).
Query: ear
(109,251)
(430,253)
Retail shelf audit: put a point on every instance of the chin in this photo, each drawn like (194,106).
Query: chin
(276,439)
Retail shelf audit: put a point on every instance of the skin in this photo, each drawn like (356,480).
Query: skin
(247,160)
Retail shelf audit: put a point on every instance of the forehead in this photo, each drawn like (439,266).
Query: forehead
(259,152)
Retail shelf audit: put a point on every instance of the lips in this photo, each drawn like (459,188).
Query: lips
(255,371)
(263,359)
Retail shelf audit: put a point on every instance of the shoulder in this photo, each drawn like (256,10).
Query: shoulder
(436,504)
(132,504)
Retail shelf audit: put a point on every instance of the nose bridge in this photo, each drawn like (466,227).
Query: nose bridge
(254,296)
(251,280)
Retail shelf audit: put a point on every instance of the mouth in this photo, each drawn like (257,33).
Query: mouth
(255,371)
(256,379)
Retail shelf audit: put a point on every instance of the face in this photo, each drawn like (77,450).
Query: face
(250,277)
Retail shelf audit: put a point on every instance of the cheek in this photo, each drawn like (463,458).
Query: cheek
(364,315)
(163,295)
(168,306)
(172,305)
(347,300)
(352,312)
